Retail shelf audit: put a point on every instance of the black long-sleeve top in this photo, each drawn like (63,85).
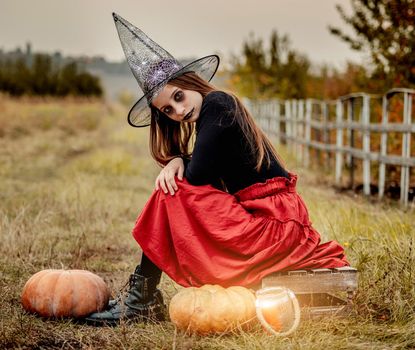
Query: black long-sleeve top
(221,152)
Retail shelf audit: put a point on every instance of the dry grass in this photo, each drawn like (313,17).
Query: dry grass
(73,177)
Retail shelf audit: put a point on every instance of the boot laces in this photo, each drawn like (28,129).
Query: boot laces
(120,295)
(133,279)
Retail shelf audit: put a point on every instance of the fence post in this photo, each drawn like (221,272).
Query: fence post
(288,128)
(383,145)
(350,134)
(277,121)
(265,107)
(294,116)
(366,144)
(248,104)
(406,148)
(339,141)
(300,129)
(326,154)
(262,112)
(307,126)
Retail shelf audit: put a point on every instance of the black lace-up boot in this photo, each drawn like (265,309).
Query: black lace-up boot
(143,303)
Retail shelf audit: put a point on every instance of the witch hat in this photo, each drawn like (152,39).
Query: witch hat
(154,67)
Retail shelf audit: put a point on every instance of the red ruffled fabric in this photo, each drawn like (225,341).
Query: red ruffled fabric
(202,235)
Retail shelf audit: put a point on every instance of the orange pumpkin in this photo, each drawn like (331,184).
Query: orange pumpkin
(65,293)
(212,309)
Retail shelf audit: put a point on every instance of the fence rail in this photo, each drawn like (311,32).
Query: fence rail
(376,130)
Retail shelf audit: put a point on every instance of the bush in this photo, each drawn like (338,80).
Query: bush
(41,78)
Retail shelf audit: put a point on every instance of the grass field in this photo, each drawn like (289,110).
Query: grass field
(74,176)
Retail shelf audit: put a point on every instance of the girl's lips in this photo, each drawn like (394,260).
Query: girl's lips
(188,115)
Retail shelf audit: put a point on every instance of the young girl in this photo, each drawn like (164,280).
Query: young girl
(224,210)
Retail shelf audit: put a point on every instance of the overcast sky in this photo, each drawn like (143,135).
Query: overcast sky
(185,28)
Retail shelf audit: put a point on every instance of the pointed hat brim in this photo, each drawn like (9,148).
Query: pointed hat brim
(140,114)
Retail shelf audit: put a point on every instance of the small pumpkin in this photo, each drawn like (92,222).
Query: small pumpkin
(65,293)
(212,309)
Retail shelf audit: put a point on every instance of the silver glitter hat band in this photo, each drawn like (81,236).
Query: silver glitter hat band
(153,67)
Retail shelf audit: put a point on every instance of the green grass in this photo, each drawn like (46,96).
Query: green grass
(73,178)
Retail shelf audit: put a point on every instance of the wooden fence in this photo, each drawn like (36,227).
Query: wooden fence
(362,136)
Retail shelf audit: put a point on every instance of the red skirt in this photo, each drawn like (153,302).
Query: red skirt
(202,235)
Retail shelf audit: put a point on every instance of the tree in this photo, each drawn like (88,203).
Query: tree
(88,85)
(42,75)
(19,78)
(385,29)
(73,82)
(276,72)
(327,82)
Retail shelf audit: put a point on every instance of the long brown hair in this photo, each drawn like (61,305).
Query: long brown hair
(169,139)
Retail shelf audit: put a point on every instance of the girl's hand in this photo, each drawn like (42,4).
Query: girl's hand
(165,180)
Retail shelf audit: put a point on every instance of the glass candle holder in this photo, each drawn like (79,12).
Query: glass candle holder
(278,310)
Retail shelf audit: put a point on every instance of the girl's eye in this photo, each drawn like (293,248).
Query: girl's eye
(178,96)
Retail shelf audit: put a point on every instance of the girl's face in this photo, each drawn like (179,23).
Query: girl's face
(179,104)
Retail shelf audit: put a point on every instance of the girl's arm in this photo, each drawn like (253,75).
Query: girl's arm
(166,179)
(216,116)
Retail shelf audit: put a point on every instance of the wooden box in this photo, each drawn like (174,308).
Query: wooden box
(319,291)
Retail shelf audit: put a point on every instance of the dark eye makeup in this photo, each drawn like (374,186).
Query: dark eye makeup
(178,96)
